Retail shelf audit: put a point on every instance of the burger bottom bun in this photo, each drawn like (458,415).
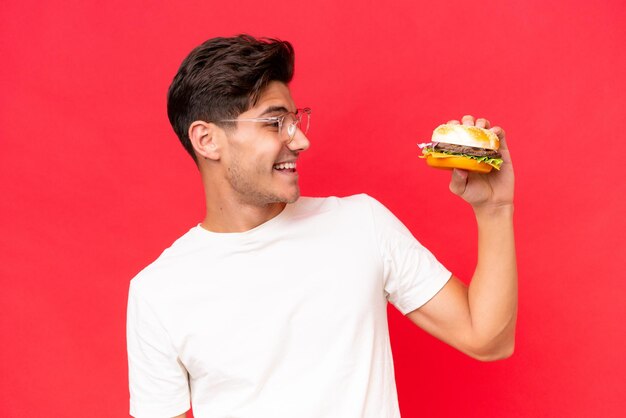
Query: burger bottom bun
(458,162)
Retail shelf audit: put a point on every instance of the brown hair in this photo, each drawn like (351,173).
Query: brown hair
(223,78)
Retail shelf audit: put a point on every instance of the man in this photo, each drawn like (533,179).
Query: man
(275,305)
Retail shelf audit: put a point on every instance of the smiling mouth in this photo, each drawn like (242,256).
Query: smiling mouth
(285,167)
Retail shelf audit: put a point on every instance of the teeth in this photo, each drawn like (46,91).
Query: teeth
(283,166)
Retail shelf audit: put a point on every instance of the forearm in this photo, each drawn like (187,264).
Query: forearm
(492,293)
(480,319)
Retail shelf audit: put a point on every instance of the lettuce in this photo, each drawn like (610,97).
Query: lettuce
(494,162)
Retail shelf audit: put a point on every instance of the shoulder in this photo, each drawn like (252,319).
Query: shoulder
(361,204)
(168,265)
(354,214)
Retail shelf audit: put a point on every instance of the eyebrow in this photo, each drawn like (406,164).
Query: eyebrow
(274,109)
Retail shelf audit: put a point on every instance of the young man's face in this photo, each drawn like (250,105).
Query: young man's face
(255,156)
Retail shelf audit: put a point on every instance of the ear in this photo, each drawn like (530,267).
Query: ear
(205,138)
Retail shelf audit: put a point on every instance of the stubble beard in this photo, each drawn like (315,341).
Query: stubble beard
(249,190)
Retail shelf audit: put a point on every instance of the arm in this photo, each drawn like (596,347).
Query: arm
(158,380)
(479,320)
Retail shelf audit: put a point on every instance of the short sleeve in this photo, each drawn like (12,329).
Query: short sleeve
(158,381)
(412,274)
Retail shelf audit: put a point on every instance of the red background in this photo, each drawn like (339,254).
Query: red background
(95,185)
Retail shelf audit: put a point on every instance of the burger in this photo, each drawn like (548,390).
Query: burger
(461,146)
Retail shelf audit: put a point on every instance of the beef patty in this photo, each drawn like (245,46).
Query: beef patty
(461,149)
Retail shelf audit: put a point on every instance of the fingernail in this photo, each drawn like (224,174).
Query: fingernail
(459,173)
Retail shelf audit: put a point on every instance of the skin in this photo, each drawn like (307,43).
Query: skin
(243,191)
(242,188)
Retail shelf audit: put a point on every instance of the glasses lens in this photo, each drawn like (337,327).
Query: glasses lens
(304,121)
(289,127)
(291,123)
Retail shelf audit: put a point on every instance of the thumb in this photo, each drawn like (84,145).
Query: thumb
(458,181)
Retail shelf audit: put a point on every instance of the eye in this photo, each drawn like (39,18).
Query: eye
(273,124)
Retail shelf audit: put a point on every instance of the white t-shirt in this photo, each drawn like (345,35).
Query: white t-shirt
(286,320)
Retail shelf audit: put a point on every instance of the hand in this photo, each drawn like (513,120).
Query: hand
(491,190)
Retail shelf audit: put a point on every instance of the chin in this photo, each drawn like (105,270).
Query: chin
(269,198)
(291,198)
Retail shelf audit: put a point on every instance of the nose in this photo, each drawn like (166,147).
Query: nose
(300,142)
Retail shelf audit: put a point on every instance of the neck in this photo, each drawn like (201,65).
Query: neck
(228,216)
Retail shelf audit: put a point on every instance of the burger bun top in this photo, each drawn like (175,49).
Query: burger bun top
(470,136)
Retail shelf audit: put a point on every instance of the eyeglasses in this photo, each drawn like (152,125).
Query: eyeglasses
(287,123)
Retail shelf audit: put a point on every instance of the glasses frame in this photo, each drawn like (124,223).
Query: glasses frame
(280,119)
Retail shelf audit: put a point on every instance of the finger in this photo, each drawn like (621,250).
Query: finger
(453,122)
(458,181)
(483,123)
(504,148)
(468,120)
(499,132)
(501,136)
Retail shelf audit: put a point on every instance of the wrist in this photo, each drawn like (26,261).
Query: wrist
(494,211)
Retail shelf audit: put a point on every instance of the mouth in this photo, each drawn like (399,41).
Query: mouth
(285,167)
